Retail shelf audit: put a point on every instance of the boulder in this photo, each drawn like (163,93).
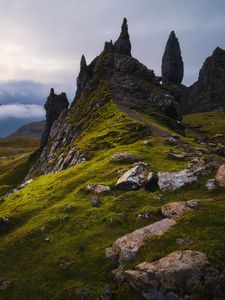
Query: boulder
(174,276)
(169,181)
(177,209)
(98,188)
(126,247)
(125,157)
(137,177)
(220,176)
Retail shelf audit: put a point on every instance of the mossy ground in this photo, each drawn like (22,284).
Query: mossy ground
(14,160)
(55,240)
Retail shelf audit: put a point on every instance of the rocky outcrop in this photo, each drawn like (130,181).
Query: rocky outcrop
(172,63)
(176,276)
(82,77)
(123,45)
(54,105)
(208,93)
(126,247)
(220,176)
(169,181)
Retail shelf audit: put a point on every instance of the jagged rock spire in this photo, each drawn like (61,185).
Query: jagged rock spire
(54,105)
(172,63)
(83,76)
(123,45)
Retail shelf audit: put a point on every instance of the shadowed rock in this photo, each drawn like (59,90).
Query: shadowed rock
(172,64)
(54,105)
(123,45)
(82,77)
(207,93)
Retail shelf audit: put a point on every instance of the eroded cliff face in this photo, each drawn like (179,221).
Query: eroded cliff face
(208,93)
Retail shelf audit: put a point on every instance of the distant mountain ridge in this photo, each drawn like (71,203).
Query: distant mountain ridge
(33,129)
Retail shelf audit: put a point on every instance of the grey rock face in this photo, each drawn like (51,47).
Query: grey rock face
(54,105)
(172,63)
(123,45)
(208,93)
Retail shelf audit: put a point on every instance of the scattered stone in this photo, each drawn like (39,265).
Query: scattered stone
(126,247)
(220,150)
(174,276)
(107,293)
(176,156)
(5,284)
(98,188)
(126,157)
(172,141)
(25,184)
(95,201)
(118,275)
(47,239)
(177,209)
(172,63)
(218,135)
(211,185)
(181,241)
(4,220)
(220,176)
(147,143)
(149,214)
(83,294)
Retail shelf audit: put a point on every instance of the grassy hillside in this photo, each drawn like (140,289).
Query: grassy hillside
(14,165)
(55,240)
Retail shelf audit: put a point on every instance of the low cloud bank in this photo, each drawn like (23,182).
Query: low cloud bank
(22,111)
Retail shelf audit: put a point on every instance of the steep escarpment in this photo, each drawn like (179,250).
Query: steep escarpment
(208,93)
(113,76)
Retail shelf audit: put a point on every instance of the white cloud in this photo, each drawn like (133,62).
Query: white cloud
(22,111)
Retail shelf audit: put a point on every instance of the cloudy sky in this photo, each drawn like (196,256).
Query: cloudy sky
(41,41)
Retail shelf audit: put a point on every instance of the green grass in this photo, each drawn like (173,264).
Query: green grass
(14,160)
(55,240)
(210,123)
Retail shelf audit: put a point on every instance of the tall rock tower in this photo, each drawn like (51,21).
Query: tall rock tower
(172,63)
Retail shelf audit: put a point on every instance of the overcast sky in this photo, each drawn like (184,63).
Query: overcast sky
(42,40)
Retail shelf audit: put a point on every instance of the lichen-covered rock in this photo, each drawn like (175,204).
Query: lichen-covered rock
(98,188)
(169,181)
(177,209)
(220,176)
(174,276)
(126,247)
(172,63)
(54,105)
